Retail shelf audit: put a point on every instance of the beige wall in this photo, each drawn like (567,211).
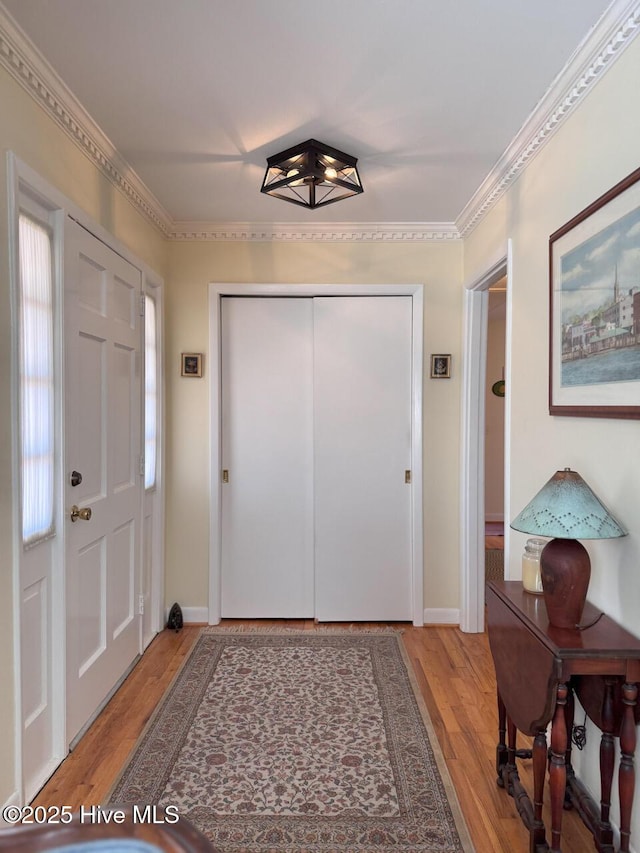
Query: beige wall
(192,266)
(596,147)
(37,141)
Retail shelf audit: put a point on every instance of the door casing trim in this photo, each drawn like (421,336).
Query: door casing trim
(19,174)
(472,473)
(216,291)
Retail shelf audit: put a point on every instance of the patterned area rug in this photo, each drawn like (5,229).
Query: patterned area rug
(298,742)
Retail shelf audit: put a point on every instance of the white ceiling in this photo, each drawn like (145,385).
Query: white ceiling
(195,94)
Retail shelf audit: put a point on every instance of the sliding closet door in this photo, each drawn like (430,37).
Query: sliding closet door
(267,435)
(362,424)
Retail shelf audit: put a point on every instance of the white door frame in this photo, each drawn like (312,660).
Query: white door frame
(153,500)
(22,182)
(20,175)
(216,292)
(476,303)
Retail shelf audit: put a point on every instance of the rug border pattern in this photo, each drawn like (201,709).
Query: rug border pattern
(151,758)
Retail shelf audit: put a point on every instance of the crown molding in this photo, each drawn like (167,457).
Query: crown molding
(596,54)
(608,39)
(335,232)
(24,62)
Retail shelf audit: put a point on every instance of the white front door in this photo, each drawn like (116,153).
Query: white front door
(102,438)
(316,440)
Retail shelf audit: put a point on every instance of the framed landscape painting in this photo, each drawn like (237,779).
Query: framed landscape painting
(594,272)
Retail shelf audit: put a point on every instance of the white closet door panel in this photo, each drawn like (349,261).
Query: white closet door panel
(362,422)
(267,434)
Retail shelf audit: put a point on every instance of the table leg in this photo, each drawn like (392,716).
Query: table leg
(557,766)
(512,770)
(501,749)
(626,773)
(569,713)
(539,770)
(607,757)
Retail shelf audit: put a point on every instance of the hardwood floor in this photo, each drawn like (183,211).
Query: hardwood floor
(494,535)
(454,673)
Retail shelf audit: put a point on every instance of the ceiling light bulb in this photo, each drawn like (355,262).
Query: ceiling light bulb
(291,174)
(330,172)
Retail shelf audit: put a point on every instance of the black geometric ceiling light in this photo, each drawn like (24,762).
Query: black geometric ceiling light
(312,174)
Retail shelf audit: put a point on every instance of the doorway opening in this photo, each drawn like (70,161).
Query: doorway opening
(473,480)
(494,432)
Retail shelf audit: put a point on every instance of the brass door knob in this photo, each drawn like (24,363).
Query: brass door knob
(84,513)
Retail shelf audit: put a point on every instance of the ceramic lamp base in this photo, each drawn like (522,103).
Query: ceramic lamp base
(566,571)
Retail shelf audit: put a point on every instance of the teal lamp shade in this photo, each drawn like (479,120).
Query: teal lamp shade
(567,509)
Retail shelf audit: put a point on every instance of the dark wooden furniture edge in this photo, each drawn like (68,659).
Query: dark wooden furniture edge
(602,668)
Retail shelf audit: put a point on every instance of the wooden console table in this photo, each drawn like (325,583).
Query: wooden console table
(539,669)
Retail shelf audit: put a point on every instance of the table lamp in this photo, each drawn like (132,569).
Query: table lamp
(567,509)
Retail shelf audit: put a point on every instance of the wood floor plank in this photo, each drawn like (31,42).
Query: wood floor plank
(454,673)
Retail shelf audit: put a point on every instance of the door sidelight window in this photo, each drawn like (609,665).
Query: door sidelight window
(37,401)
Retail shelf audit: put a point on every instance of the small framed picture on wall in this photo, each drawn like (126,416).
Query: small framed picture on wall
(441,366)
(191,364)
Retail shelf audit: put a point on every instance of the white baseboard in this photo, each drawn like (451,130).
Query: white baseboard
(441,616)
(432,616)
(191,615)
(14,800)
(195,614)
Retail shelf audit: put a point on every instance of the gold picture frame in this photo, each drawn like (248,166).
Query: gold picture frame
(594,325)
(441,366)
(191,364)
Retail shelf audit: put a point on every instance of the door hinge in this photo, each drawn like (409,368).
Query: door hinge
(141,605)
(141,468)
(142,304)
(407,476)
